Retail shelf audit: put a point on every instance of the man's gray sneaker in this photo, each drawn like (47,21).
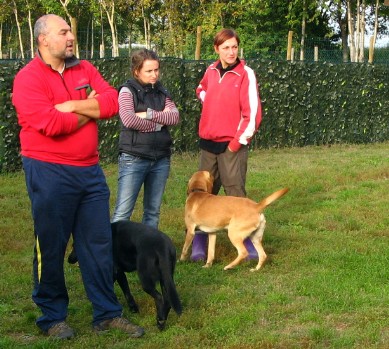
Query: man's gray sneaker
(61,330)
(122,324)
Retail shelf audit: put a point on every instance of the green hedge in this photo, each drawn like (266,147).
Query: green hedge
(303,104)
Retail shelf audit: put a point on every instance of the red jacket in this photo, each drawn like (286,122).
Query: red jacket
(231,109)
(48,134)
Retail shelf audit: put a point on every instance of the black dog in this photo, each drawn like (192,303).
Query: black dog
(138,247)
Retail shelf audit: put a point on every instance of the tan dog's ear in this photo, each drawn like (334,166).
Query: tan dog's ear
(200,181)
(192,183)
(188,188)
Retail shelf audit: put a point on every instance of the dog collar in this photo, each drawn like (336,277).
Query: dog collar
(194,190)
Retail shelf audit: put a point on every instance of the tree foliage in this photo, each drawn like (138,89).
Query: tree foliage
(170,26)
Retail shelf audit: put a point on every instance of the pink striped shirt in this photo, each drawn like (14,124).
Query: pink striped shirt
(168,117)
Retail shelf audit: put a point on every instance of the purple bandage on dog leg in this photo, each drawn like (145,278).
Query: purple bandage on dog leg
(199,247)
(253,254)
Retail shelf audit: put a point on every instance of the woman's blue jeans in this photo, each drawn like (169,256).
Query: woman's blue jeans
(133,173)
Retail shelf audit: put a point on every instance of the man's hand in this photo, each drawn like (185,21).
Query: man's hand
(82,120)
(70,106)
(92,94)
(65,107)
(85,112)
(88,107)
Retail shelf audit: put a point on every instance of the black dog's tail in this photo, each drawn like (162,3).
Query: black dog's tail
(168,286)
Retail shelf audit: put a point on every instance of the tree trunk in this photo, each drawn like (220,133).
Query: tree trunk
(102,45)
(144,26)
(147,29)
(289,47)
(117,40)
(129,38)
(31,33)
(342,21)
(73,24)
(19,30)
(111,16)
(198,43)
(351,31)
(1,40)
(343,31)
(148,34)
(376,22)
(303,27)
(92,39)
(174,37)
(357,32)
(362,27)
(87,55)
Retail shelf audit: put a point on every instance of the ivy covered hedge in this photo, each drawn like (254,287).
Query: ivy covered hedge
(303,104)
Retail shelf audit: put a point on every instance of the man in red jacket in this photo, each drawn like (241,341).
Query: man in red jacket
(231,114)
(66,186)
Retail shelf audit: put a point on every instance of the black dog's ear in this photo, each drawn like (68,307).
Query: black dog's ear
(115,272)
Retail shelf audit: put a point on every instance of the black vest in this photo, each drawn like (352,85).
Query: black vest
(148,145)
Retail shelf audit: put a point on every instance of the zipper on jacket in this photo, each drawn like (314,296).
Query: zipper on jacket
(62,76)
(221,77)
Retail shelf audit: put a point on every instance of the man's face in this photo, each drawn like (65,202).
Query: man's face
(58,39)
(228,52)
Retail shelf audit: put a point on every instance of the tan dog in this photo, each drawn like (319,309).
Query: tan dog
(241,217)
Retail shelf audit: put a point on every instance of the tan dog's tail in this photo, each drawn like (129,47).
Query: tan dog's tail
(273,197)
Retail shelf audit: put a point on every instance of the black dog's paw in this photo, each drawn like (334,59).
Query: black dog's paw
(161,324)
(133,307)
(72,258)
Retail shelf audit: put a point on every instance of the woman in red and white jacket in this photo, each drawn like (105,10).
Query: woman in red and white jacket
(231,114)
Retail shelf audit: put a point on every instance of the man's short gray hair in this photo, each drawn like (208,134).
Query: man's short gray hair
(41,26)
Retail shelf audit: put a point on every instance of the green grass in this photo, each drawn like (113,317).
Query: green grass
(325,283)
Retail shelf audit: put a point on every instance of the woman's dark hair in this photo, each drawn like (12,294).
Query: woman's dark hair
(138,57)
(224,35)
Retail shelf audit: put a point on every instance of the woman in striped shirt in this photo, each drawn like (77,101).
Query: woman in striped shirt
(146,109)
